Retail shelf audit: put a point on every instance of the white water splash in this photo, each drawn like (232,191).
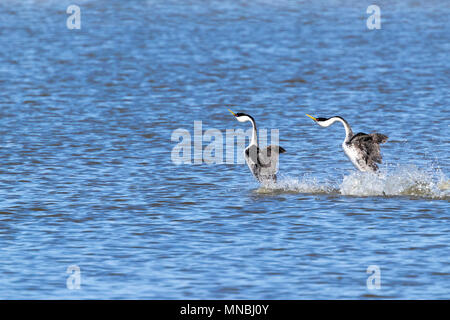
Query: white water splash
(400,181)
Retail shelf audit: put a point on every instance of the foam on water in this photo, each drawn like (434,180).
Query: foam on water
(400,181)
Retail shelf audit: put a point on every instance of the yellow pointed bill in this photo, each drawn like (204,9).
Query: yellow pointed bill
(311,117)
(232,112)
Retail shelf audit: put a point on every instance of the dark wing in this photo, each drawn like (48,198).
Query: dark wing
(268,159)
(369,146)
(263,162)
(274,149)
(252,154)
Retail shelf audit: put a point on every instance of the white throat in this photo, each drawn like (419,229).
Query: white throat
(329,122)
(254,140)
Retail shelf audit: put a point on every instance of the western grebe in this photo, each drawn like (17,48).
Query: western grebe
(262,162)
(361,148)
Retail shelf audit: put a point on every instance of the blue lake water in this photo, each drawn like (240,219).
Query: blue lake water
(87,177)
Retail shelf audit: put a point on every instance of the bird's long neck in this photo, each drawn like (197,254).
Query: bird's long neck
(254,140)
(348,129)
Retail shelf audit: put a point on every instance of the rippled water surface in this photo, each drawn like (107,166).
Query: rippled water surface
(87,178)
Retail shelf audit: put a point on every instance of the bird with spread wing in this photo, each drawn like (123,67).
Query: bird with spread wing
(362,149)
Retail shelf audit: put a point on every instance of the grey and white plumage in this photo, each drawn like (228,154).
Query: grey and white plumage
(362,149)
(262,162)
